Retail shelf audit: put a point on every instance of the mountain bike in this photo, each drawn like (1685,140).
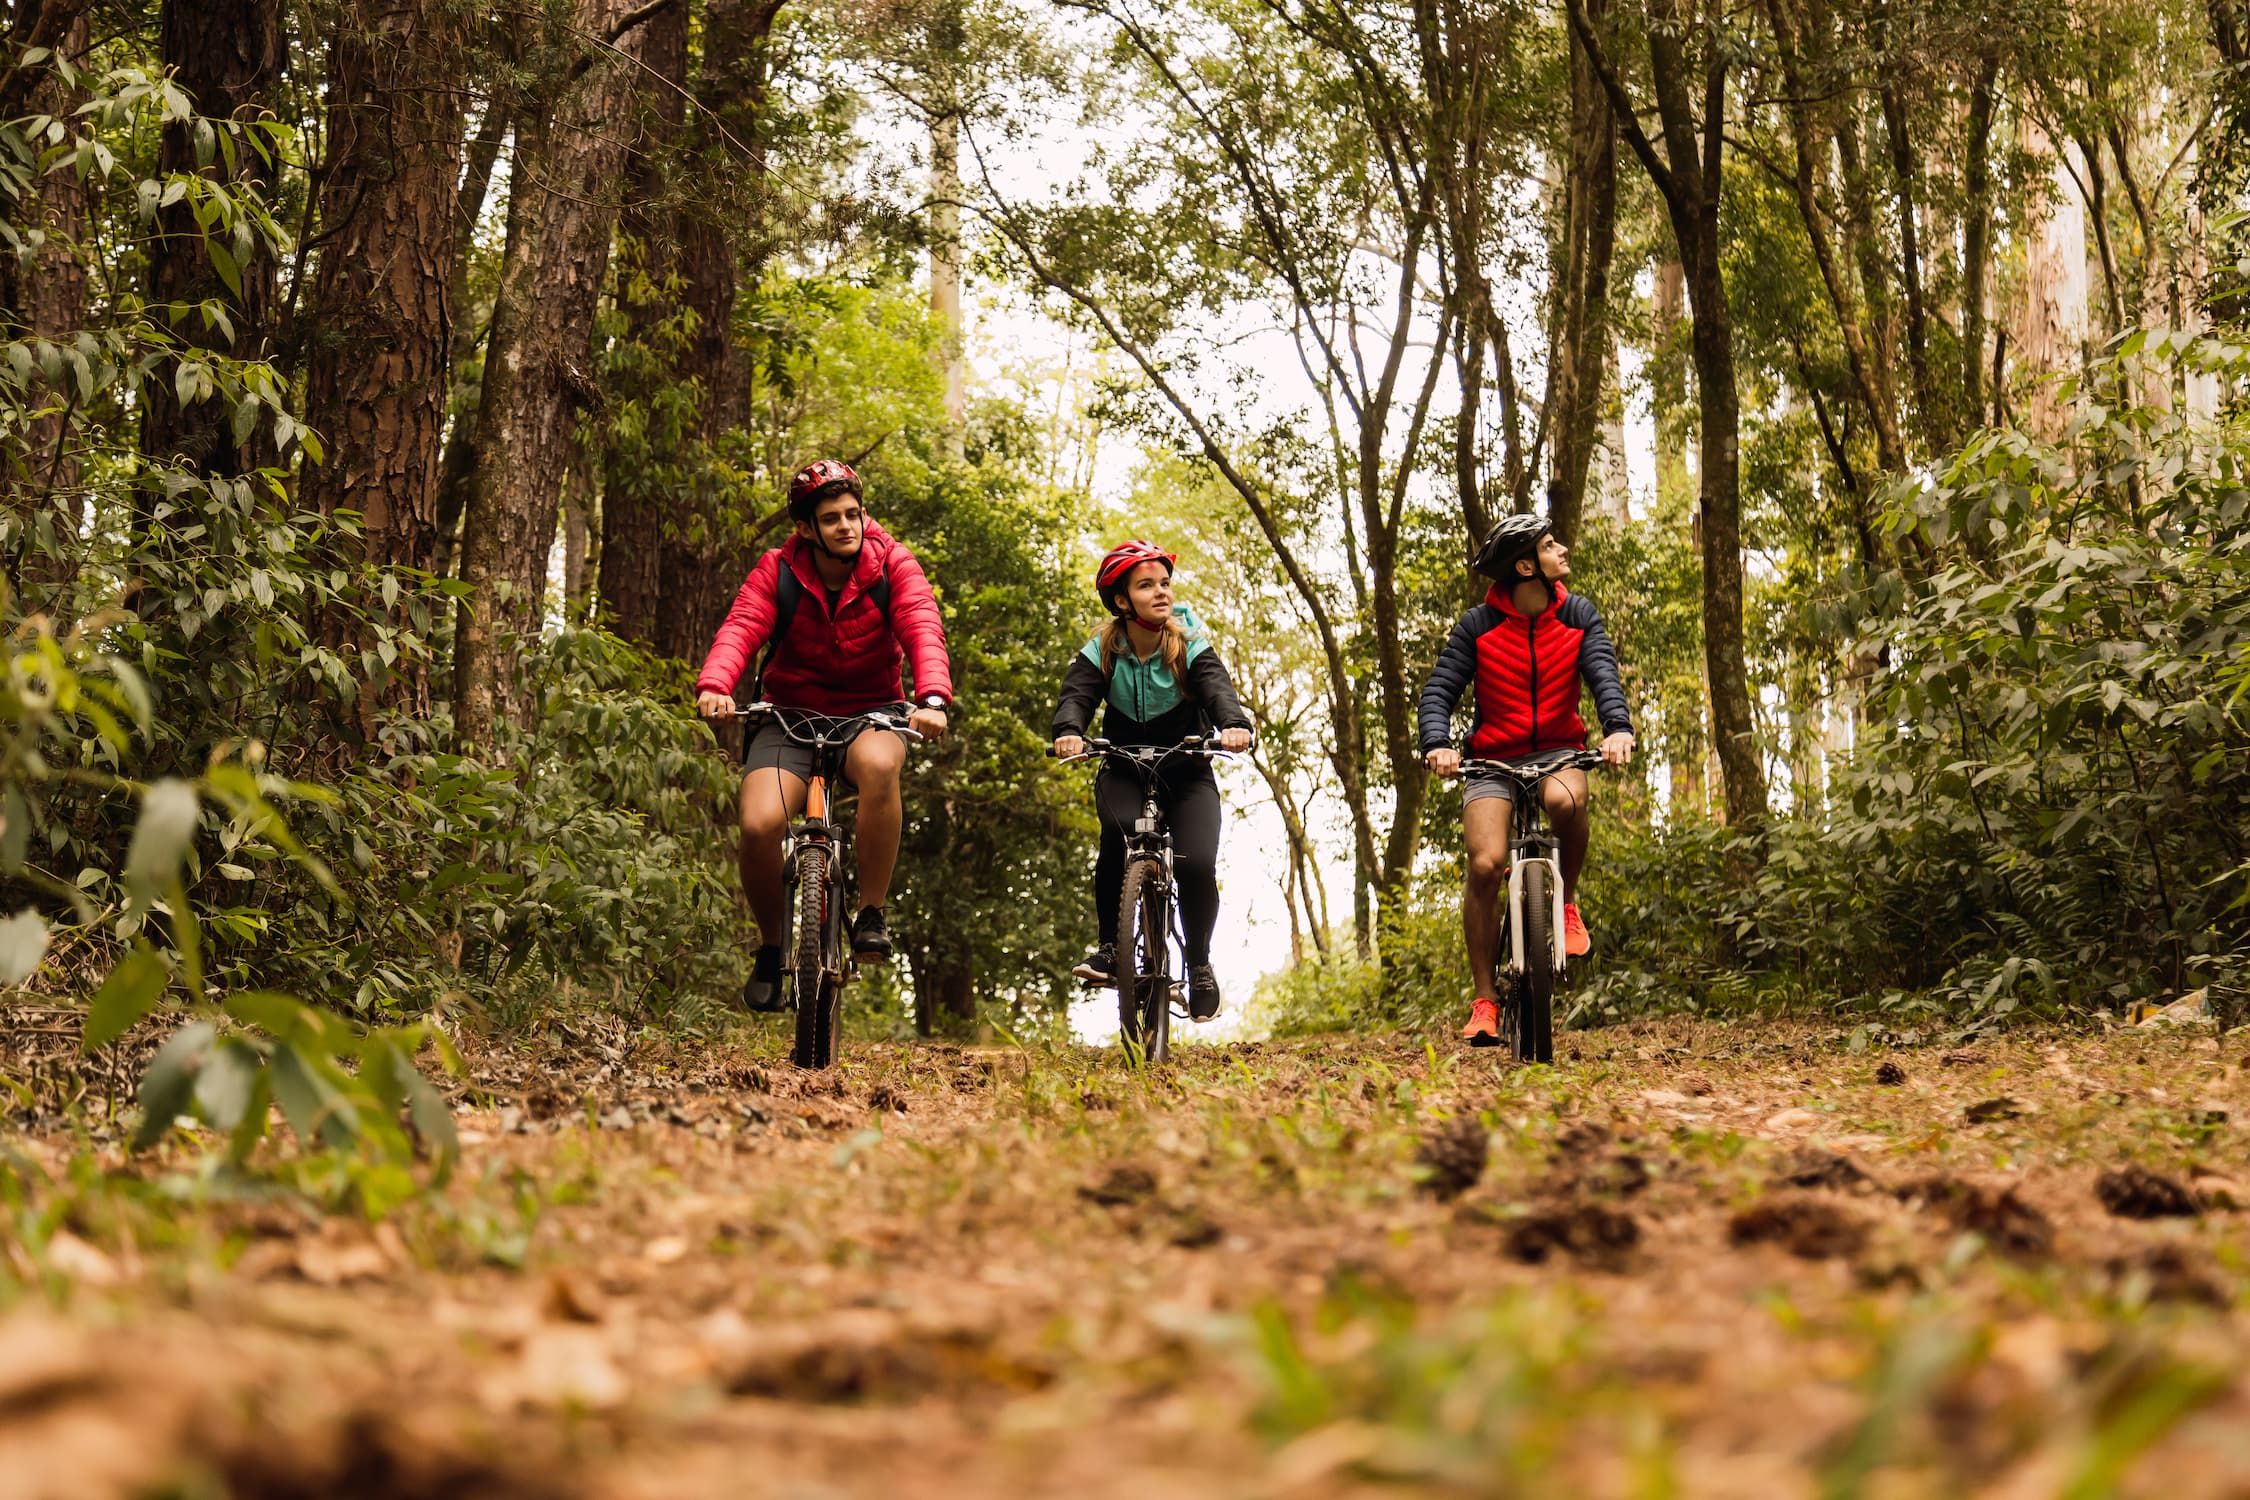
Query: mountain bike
(1151,965)
(816,874)
(1531,959)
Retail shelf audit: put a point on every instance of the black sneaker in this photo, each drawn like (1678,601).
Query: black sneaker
(1099,967)
(761,992)
(871,935)
(1203,991)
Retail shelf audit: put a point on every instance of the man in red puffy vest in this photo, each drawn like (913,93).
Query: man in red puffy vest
(840,603)
(1529,650)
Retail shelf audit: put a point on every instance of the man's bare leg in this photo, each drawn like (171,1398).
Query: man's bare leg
(1485,828)
(1565,799)
(873,762)
(770,798)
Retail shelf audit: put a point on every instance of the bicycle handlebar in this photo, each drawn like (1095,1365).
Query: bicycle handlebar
(1578,760)
(881,718)
(1200,746)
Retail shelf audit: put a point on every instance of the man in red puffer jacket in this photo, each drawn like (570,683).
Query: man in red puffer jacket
(1529,650)
(859,604)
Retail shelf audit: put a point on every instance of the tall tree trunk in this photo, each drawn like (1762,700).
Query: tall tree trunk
(1667,380)
(43,296)
(227,56)
(578,531)
(945,270)
(380,313)
(460,460)
(648,487)
(1589,238)
(562,210)
(2050,319)
(1612,482)
(1815,139)
(1687,175)
(1905,171)
(673,556)
(1976,239)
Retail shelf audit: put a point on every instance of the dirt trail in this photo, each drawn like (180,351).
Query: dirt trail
(1690,1259)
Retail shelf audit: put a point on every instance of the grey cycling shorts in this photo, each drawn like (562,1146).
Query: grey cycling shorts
(1477,788)
(771,748)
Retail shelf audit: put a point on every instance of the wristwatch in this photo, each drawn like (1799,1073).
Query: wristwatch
(931,700)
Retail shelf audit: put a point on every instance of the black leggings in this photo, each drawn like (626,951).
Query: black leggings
(1189,795)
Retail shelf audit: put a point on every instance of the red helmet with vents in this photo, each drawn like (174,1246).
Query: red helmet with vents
(817,481)
(1118,565)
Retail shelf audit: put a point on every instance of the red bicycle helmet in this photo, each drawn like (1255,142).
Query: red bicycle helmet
(1120,561)
(816,481)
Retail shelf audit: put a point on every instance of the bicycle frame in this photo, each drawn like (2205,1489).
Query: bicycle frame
(818,827)
(1529,840)
(1150,839)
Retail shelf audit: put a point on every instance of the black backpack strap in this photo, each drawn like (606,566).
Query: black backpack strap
(788,593)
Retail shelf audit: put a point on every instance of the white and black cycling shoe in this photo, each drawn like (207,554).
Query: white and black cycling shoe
(1203,992)
(1099,967)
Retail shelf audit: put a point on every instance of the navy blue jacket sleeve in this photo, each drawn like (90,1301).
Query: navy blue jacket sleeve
(1597,665)
(1456,668)
(1210,684)
(1082,692)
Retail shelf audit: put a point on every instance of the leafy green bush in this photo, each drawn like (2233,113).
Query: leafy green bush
(2049,801)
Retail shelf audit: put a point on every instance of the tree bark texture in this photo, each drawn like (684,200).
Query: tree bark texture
(380,312)
(1582,279)
(44,297)
(227,55)
(562,212)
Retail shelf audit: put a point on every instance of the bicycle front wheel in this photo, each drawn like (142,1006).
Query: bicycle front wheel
(1535,987)
(1144,989)
(819,995)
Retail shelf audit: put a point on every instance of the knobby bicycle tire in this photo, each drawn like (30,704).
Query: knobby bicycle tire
(819,997)
(1144,1000)
(1535,987)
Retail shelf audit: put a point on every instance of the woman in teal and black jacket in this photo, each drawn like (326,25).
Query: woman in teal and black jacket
(1162,682)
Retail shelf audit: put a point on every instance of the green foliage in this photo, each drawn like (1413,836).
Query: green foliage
(2051,785)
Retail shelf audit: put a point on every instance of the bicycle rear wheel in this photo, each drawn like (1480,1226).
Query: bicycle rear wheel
(1535,987)
(1144,988)
(818,993)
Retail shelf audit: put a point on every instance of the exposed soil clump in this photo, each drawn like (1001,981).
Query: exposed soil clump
(1452,1157)
(2173,1274)
(1985,1111)
(1807,1227)
(872,1357)
(1123,1185)
(1815,1168)
(2007,1223)
(1593,1233)
(2135,1192)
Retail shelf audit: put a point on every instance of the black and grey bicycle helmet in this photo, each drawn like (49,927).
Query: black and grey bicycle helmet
(1511,539)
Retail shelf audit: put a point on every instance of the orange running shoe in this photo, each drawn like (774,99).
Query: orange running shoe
(1575,942)
(1483,1029)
